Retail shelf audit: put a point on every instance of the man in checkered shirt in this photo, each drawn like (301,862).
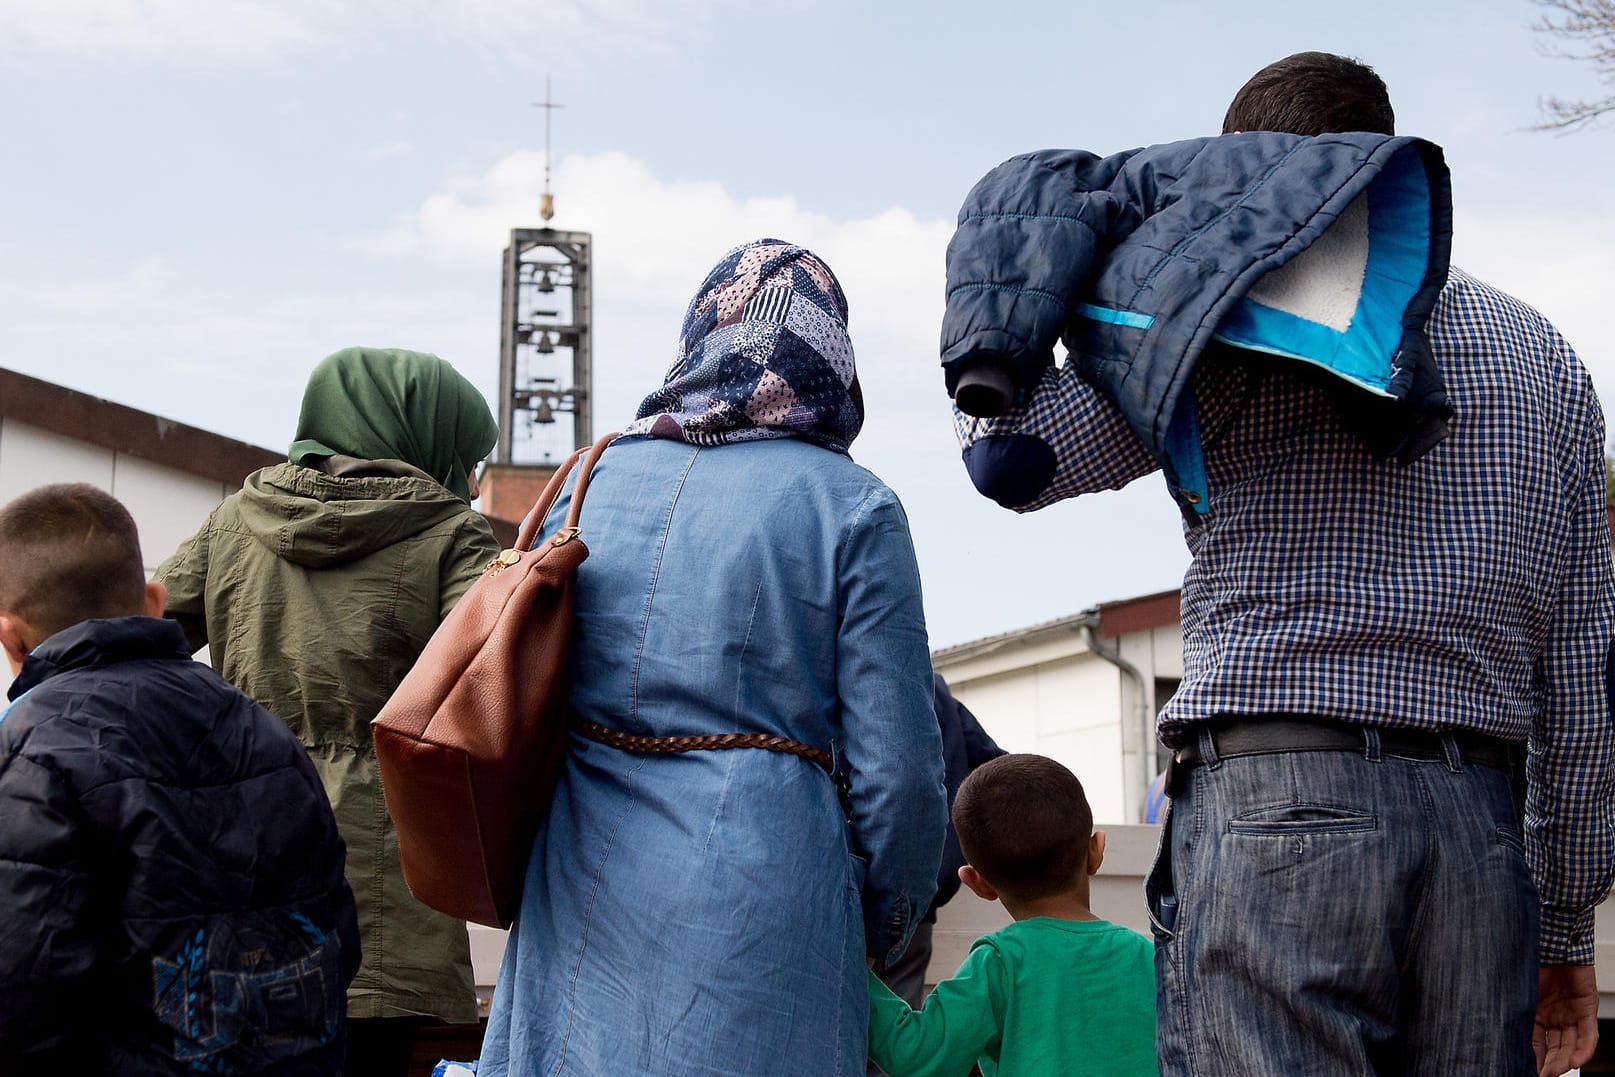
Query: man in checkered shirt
(1381,663)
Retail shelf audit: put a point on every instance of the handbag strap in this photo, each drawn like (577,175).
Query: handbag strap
(629,742)
(552,493)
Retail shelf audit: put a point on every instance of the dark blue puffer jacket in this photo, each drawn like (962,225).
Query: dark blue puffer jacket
(965,746)
(1138,261)
(170,870)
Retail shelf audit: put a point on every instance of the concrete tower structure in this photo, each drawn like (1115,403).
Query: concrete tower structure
(545,354)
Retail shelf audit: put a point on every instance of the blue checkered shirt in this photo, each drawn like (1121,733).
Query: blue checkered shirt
(1471,590)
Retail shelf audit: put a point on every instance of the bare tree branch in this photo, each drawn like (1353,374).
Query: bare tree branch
(1582,30)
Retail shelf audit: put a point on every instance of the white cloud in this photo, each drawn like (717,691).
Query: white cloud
(201,33)
(644,25)
(391,149)
(192,31)
(655,239)
(193,348)
(388,243)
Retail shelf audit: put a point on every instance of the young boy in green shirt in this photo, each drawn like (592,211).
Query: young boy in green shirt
(1059,992)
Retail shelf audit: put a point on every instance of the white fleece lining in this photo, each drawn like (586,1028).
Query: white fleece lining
(1323,283)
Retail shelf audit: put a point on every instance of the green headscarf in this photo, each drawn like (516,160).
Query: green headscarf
(388,404)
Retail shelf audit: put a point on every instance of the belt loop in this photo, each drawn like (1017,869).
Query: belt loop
(1371,745)
(1208,746)
(1449,745)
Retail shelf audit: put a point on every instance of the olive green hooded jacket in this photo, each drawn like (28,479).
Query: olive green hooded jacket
(316,592)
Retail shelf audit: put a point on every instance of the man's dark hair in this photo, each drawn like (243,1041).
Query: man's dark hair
(1024,823)
(69,553)
(1312,93)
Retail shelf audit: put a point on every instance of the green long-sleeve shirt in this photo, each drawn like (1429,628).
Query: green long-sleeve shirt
(1039,998)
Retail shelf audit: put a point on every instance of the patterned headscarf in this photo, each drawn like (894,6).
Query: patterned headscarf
(764,353)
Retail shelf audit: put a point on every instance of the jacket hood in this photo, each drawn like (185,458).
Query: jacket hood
(318,520)
(100,642)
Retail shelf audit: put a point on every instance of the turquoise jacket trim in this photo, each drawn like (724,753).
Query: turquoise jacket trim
(7,708)
(1398,251)
(1131,318)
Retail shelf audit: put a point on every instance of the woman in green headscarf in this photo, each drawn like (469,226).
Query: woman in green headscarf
(317,586)
(372,404)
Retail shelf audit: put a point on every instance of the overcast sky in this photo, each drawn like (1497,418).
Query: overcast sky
(204,197)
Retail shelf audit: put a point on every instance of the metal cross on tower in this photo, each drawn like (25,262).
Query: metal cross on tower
(538,333)
(546,201)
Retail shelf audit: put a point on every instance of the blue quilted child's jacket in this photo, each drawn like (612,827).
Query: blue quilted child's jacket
(1328,249)
(170,870)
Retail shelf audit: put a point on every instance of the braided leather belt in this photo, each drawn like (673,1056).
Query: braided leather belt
(628,742)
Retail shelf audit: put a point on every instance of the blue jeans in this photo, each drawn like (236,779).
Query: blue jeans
(1344,913)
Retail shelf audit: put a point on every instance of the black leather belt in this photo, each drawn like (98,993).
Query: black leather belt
(1270,734)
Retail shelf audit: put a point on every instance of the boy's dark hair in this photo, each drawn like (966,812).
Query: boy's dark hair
(1312,93)
(1023,822)
(69,553)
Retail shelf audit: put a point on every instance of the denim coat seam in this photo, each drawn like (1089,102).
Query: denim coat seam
(656,574)
(588,912)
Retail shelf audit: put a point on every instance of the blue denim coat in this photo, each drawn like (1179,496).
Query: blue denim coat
(710,912)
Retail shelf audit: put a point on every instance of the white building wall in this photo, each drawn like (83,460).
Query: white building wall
(1066,707)
(31,457)
(168,505)
(1166,651)
(1046,691)
(1157,654)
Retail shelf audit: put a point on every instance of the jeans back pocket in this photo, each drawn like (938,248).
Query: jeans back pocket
(1286,820)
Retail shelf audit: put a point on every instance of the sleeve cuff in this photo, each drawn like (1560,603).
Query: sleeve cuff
(887,930)
(1012,469)
(1566,936)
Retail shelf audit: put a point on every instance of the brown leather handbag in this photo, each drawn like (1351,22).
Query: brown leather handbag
(472,741)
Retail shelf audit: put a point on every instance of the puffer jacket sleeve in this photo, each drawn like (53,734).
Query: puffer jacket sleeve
(185,576)
(1031,233)
(892,743)
(47,952)
(1032,236)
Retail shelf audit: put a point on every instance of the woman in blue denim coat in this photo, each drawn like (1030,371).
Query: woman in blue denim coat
(711,912)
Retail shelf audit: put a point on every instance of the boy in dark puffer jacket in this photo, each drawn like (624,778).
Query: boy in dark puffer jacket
(171,876)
